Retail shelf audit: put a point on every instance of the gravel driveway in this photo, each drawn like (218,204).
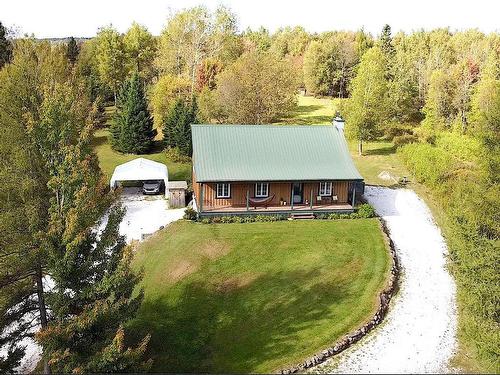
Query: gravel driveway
(145,214)
(418,334)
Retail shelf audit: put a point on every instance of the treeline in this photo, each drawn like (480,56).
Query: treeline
(62,283)
(200,69)
(434,93)
(437,96)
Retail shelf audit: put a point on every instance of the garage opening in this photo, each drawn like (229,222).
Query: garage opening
(151,173)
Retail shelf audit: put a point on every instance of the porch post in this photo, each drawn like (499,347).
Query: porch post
(202,191)
(291,199)
(353,194)
(248,200)
(311,200)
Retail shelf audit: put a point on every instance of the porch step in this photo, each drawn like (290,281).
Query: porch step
(302,216)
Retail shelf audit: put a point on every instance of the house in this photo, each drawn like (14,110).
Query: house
(255,169)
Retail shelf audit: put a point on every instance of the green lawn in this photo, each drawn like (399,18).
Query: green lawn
(256,297)
(377,157)
(109,159)
(312,111)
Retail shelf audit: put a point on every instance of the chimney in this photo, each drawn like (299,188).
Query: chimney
(338,122)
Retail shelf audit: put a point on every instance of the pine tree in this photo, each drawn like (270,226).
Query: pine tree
(24,197)
(132,130)
(386,41)
(92,300)
(93,280)
(5,47)
(72,50)
(177,126)
(52,198)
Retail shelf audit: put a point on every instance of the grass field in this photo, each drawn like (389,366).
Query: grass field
(377,157)
(109,159)
(256,297)
(312,111)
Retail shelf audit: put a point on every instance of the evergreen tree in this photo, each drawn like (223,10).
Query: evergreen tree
(52,197)
(132,130)
(72,50)
(367,108)
(386,41)
(177,126)
(5,47)
(173,117)
(91,303)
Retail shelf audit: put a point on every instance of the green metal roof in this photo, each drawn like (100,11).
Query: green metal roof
(271,153)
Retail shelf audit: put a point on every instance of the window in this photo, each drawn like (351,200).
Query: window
(325,189)
(223,190)
(261,190)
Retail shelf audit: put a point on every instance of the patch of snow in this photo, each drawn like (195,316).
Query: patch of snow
(384,175)
(146,215)
(419,333)
(32,351)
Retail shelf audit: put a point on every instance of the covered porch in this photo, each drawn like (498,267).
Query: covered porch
(280,209)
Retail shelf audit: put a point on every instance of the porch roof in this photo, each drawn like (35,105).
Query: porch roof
(271,153)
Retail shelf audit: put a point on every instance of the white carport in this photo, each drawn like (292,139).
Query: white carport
(140,169)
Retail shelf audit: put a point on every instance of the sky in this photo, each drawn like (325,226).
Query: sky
(82,18)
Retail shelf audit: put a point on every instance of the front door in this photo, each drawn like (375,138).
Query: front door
(297,193)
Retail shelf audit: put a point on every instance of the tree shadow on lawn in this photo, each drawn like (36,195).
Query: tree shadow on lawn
(389,150)
(309,120)
(99,140)
(307,109)
(214,328)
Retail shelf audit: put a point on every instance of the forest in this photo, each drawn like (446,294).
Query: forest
(434,94)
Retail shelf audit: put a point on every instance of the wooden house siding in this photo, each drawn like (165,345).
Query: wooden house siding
(281,191)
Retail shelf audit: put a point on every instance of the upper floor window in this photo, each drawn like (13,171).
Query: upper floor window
(223,190)
(325,189)
(261,190)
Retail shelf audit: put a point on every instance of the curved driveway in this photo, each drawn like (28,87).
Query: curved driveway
(418,334)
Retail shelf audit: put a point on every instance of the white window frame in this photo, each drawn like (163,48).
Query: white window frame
(325,189)
(261,194)
(223,193)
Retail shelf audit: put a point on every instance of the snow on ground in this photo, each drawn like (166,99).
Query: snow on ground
(145,214)
(418,334)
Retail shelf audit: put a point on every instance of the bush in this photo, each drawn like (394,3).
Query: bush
(453,172)
(365,211)
(404,139)
(175,155)
(190,214)
(394,130)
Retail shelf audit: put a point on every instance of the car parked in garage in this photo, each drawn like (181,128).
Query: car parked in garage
(151,187)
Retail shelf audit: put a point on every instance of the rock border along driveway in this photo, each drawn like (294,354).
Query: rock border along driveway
(418,334)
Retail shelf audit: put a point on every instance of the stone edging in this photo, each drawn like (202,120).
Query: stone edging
(348,340)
